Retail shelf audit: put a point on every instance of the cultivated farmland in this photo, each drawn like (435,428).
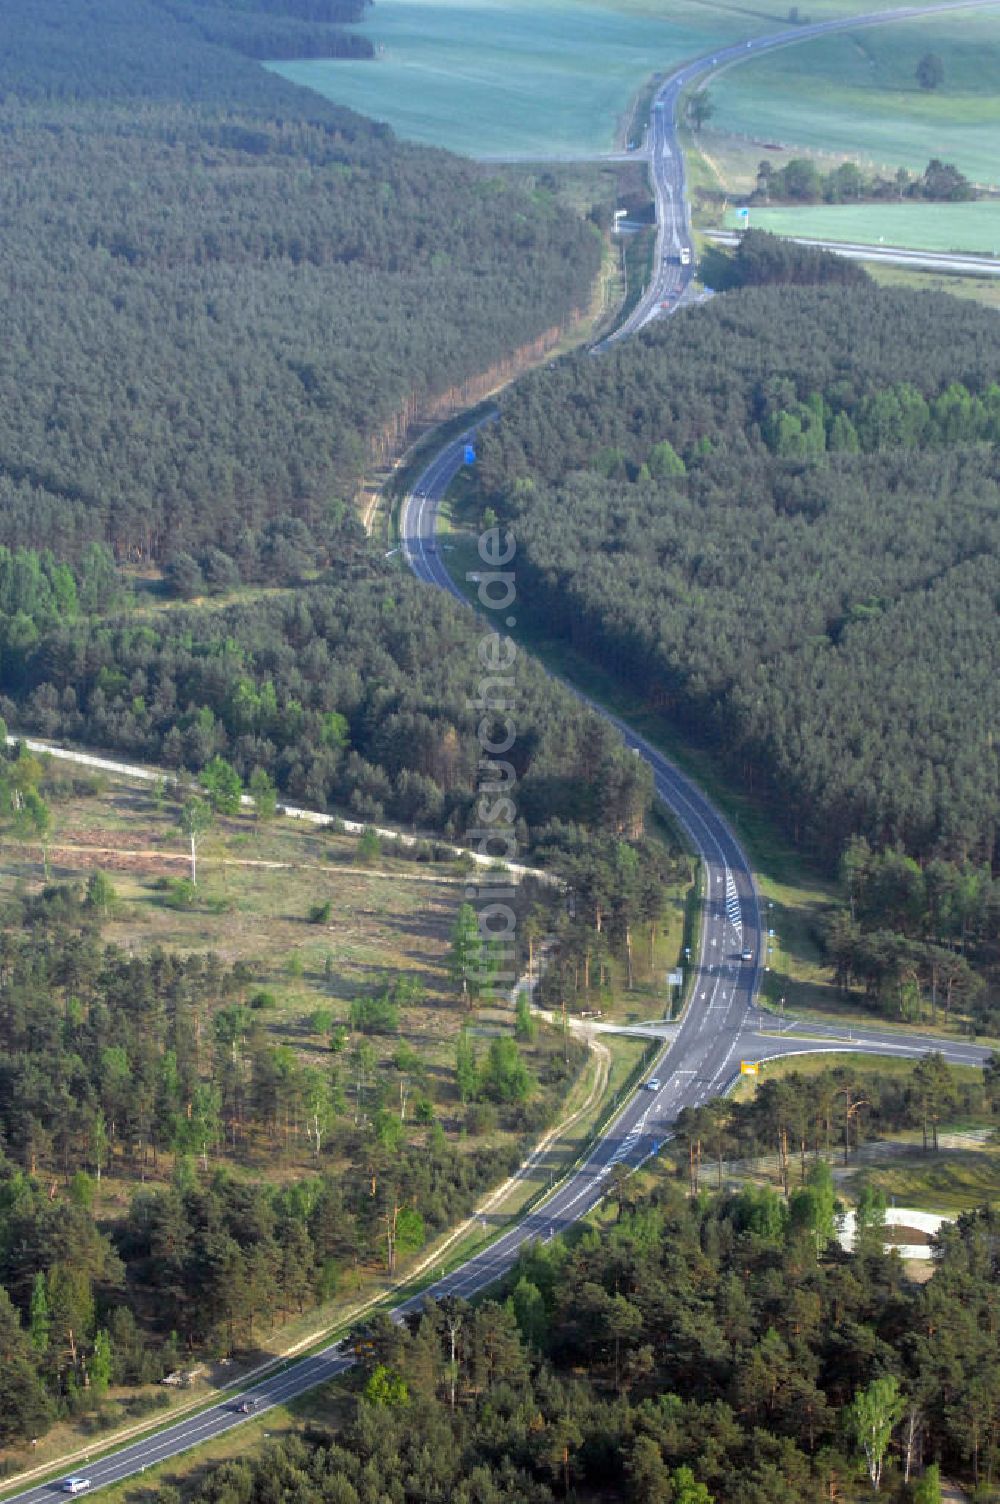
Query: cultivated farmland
(921,227)
(857,93)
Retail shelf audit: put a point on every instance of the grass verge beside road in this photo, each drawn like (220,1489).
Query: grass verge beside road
(884,1066)
(972,227)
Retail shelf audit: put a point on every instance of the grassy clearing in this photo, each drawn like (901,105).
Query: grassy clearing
(252,904)
(985,290)
(857,93)
(151,595)
(963,1173)
(732,161)
(579,186)
(920,227)
(816,1065)
(951,1181)
(255,889)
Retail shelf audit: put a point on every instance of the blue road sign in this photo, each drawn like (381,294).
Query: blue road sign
(470,455)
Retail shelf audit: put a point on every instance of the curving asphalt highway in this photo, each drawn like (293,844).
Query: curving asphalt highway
(671,279)
(722,1025)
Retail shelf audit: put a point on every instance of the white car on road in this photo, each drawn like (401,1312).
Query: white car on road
(75,1485)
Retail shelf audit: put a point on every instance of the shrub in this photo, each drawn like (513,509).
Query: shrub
(369,846)
(505,1076)
(179,892)
(481,1118)
(374,1015)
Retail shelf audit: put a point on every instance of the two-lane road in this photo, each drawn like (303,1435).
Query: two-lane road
(670,279)
(701,1060)
(722,1024)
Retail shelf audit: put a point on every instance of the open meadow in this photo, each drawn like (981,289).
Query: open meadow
(962,1172)
(857,94)
(521,80)
(513,80)
(921,227)
(558,78)
(984,290)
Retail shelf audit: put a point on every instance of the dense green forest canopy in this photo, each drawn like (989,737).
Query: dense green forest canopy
(917,941)
(179,51)
(276,29)
(705,1351)
(219,293)
(357,692)
(779,518)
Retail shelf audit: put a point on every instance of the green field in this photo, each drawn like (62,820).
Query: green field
(514,79)
(857,94)
(984,290)
(921,227)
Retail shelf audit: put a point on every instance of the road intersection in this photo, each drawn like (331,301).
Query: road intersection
(722,1024)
